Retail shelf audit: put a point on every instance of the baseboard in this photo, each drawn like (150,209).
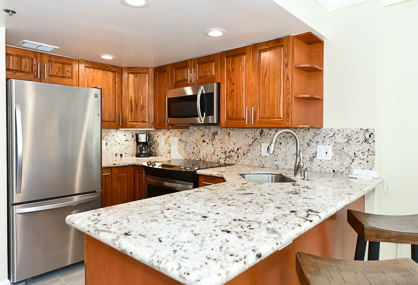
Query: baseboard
(5,282)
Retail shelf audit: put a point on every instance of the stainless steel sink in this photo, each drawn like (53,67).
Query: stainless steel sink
(266,178)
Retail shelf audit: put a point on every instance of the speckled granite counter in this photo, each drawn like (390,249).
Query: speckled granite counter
(210,235)
(122,161)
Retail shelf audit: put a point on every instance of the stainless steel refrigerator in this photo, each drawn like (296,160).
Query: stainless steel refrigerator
(54,170)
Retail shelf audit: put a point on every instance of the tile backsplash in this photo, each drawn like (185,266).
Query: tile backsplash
(352,148)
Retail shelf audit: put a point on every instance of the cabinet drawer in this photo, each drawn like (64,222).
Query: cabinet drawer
(209,180)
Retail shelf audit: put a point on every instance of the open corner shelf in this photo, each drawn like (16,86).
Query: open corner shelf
(308,97)
(309,38)
(309,67)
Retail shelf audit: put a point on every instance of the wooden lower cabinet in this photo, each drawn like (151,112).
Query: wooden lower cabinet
(122,184)
(106,187)
(209,180)
(331,238)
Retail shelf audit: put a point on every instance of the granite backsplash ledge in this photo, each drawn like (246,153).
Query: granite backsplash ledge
(352,148)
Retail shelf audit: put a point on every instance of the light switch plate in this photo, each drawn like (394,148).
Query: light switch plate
(264,147)
(324,152)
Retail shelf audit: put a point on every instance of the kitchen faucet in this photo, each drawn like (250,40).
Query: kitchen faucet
(298,169)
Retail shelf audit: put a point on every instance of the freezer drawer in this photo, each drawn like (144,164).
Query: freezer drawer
(41,241)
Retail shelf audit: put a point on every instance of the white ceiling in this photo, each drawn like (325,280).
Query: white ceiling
(164,32)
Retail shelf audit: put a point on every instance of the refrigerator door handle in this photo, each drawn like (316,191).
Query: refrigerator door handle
(19,149)
(57,205)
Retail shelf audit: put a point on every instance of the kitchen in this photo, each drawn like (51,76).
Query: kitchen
(362,71)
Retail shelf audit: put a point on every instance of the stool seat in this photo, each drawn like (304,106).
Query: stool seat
(314,270)
(382,228)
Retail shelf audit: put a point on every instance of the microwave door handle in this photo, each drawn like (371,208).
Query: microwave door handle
(199,113)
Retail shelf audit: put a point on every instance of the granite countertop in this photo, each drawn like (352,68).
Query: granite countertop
(211,234)
(123,161)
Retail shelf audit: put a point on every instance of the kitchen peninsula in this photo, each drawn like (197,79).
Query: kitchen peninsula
(216,234)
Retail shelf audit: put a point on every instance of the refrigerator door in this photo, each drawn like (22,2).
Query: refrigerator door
(54,139)
(41,241)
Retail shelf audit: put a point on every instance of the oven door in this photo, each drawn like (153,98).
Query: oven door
(157,186)
(193,105)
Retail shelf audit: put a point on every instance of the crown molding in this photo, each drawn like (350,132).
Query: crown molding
(332,5)
(391,2)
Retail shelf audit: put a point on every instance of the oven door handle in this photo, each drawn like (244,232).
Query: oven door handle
(199,113)
(168,183)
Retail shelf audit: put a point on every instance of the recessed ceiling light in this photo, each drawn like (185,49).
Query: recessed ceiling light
(38,46)
(107,56)
(215,33)
(136,3)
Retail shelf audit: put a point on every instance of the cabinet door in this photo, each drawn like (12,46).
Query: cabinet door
(181,74)
(236,88)
(271,84)
(207,69)
(22,64)
(59,70)
(122,185)
(139,187)
(106,187)
(138,97)
(205,180)
(108,78)
(161,81)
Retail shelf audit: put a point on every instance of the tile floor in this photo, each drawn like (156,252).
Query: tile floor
(73,275)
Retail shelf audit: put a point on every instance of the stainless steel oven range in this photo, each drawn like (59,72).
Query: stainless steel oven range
(166,177)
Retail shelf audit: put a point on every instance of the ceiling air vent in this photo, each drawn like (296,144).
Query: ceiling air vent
(37,46)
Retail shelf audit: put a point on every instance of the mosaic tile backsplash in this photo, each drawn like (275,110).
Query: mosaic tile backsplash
(352,148)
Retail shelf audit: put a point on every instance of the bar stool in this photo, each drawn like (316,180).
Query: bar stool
(380,228)
(315,270)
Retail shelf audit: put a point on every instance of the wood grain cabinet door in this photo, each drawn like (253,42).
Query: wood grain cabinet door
(106,187)
(207,69)
(107,77)
(122,185)
(161,82)
(235,102)
(139,181)
(138,97)
(181,74)
(59,70)
(271,84)
(22,64)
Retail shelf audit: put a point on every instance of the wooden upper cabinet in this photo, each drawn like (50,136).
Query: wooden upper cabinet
(207,69)
(271,84)
(161,82)
(107,77)
(236,88)
(181,74)
(22,64)
(138,97)
(59,70)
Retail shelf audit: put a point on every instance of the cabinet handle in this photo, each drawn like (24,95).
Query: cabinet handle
(252,115)
(105,174)
(192,75)
(39,70)
(246,115)
(45,71)
(120,119)
(150,120)
(188,75)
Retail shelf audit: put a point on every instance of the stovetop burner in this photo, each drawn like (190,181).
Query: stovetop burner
(183,164)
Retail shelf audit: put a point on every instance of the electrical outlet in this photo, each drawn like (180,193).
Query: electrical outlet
(324,152)
(264,147)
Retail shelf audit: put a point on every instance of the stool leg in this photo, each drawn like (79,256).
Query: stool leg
(360,249)
(374,248)
(414,251)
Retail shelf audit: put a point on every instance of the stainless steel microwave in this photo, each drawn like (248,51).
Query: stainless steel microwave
(193,105)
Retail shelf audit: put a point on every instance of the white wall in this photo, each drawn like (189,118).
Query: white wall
(399,136)
(3,161)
